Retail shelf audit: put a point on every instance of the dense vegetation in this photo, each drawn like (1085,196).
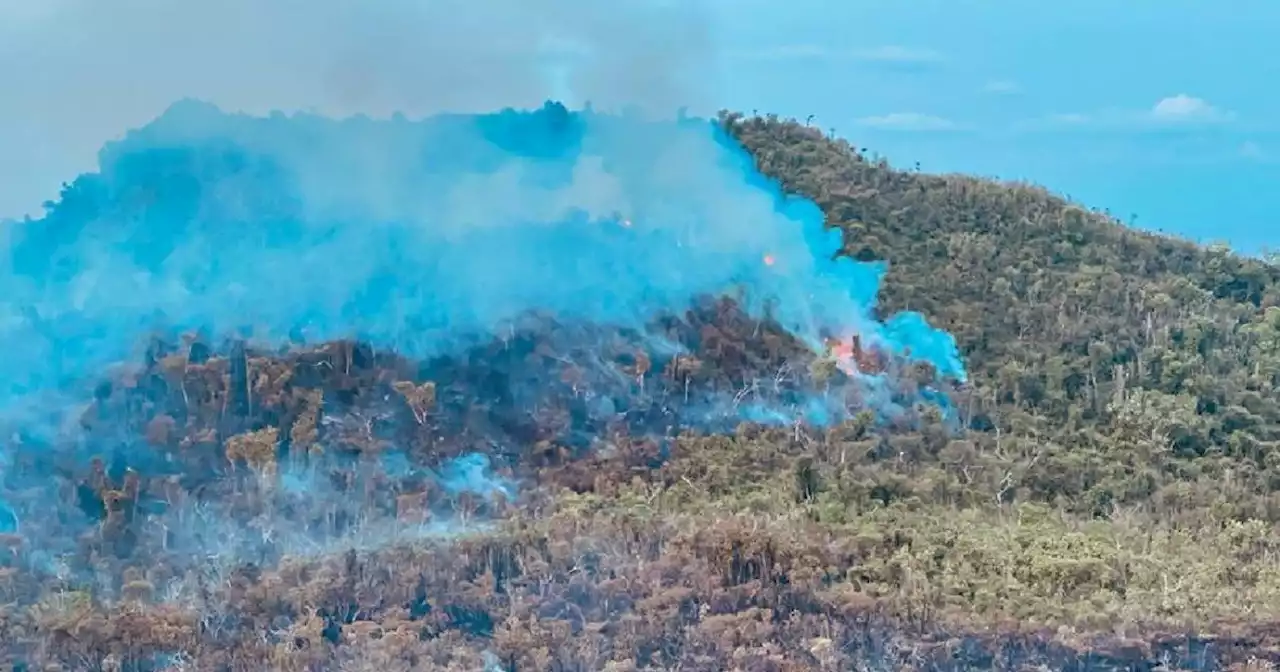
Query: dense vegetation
(1110,501)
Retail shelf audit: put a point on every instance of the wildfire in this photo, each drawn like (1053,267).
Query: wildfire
(769,260)
(852,357)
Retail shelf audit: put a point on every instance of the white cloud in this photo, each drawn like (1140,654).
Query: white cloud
(783,52)
(899,55)
(887,56)
(908,121)
(1177,111)
(1000,86)
(1252,151)
(1184,108)
(1070,119)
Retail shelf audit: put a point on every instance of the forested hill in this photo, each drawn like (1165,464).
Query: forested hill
(1107,500)
(1139,369)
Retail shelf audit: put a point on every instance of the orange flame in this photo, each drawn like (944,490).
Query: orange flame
(851,357)
(844,354)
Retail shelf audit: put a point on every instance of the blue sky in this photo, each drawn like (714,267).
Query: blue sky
(1166,112)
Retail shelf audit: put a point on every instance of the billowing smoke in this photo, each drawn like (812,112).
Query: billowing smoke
(76,73)
(551,267)
(411,234)
(282,333)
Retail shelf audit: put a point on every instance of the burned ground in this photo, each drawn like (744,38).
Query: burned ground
(208,470)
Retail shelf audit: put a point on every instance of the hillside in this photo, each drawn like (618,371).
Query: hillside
(1141,366)
(1100,492)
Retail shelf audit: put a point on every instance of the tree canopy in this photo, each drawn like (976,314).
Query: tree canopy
(1108,499)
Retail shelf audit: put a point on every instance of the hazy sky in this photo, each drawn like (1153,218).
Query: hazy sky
(1166,109)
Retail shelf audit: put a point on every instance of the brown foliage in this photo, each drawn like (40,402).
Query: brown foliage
(1105,429)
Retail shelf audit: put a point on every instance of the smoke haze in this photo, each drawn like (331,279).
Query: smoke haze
(76,73)
(409,232)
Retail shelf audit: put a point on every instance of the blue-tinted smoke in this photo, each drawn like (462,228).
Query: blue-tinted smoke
(471,473)
(417,236)
(8,519)
(411,233)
